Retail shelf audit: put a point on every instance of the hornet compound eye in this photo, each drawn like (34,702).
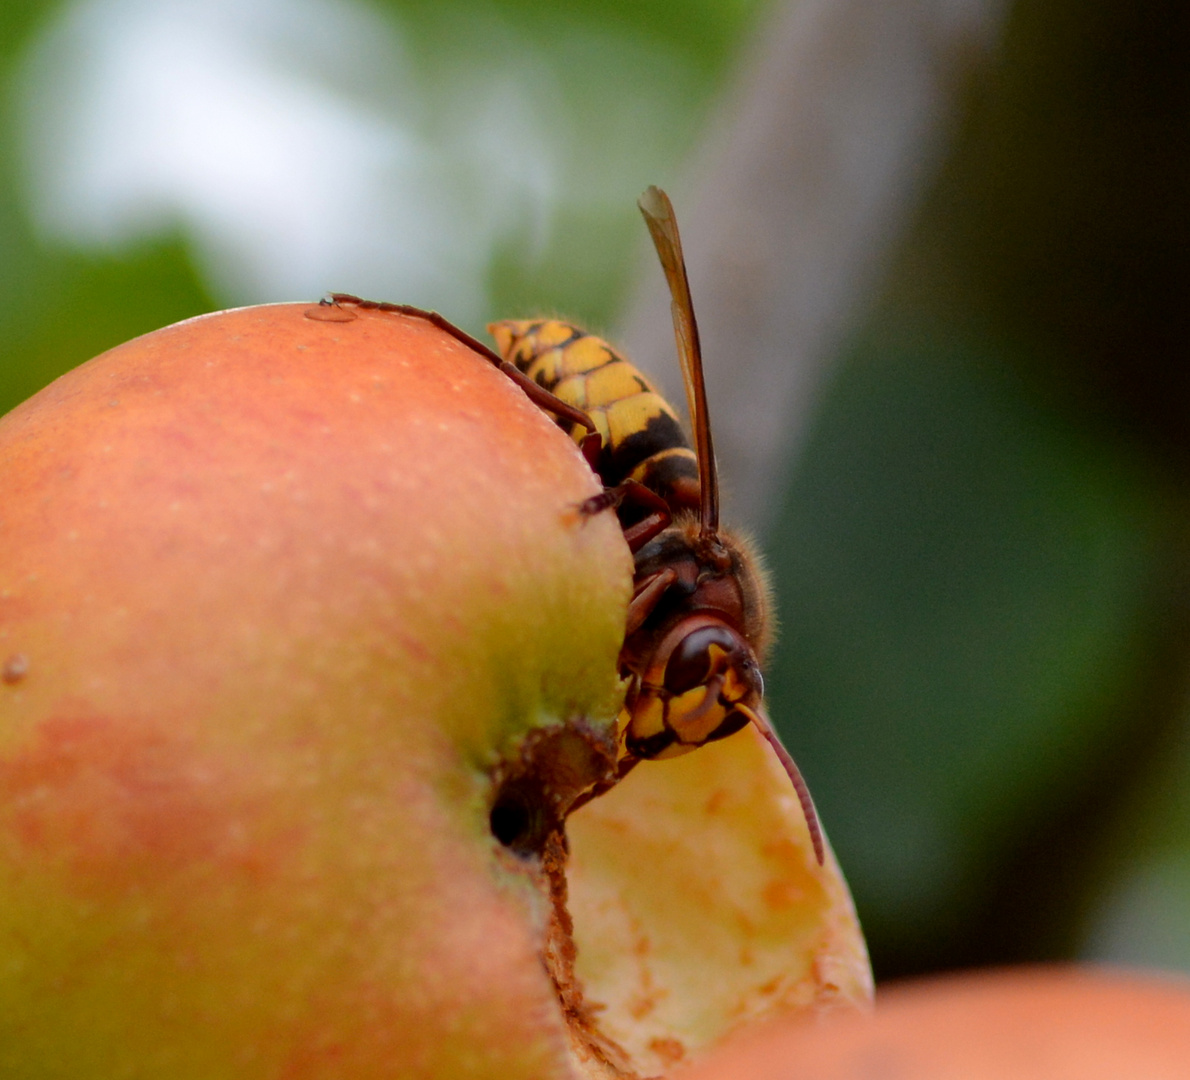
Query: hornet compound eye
(699,655)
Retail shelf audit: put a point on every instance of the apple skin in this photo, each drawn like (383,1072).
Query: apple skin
(1030,1023)
(279,588)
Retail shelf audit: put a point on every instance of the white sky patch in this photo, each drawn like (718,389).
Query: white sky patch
(288,141)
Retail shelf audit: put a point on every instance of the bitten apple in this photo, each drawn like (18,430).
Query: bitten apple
(304,652)
(1030,1023)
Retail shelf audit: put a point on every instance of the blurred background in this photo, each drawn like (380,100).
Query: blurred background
(941,257)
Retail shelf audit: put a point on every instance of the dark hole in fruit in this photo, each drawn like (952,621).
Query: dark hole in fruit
(510,821)
(519,819)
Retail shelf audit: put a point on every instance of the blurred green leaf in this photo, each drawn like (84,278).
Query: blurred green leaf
(635,80)
(75,307)
(962,583)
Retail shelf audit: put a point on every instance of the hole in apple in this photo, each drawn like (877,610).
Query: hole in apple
(509,821)
(520,821)
(553,770)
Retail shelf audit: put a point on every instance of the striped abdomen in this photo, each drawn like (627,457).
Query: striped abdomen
(642,437)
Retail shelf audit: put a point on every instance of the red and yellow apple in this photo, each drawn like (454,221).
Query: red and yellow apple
(1032,1023)
(305,652)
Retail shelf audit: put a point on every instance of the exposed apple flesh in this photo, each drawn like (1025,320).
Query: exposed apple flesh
(699,906)
(291,598)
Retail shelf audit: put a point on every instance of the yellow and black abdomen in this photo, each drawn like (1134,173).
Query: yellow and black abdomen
(643,439)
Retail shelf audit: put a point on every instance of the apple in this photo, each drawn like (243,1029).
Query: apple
(305,654)
(1031,1023)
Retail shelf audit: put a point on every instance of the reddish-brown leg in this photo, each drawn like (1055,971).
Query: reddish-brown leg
(440,321)
(644,530)
(540,397)
(597,504)
(657,520)
(648,596)
(592,448)
(543,399)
